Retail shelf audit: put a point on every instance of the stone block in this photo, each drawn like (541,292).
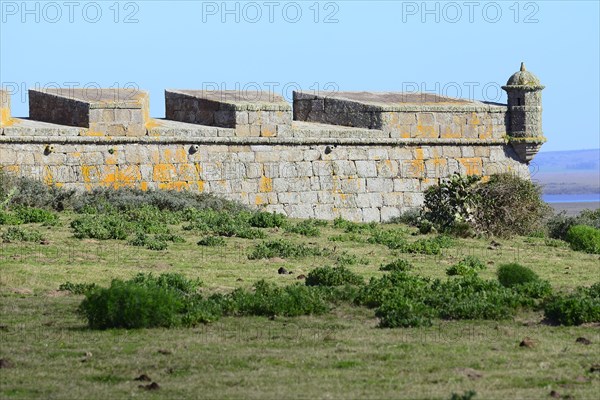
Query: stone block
(108,112)
(366,169)
(250,114)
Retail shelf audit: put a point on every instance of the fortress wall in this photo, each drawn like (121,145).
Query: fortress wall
(360,181)
(360,155)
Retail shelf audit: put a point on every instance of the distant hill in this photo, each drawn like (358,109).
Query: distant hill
(567,161)
(567,172)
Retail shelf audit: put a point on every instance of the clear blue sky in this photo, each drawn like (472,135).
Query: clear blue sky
(447,47)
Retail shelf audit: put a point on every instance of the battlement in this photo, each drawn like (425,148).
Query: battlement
(363,156)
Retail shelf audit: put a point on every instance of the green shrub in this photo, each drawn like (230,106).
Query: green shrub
(469,265)
(8,218)
(262,219)
(77,288)
(505,205)
(22,191)
(284,249)
(410,217)
(348,237)
(269,299)
(392,238)
(452,201)
(212,241)
(513,274)
(354,227)
(390,285)
(469,395)
(399,265)
(539,289)
(400,312)
(474,298)
(102,227)
(336,276)
(582,306)
(350,259)
(131,305)
(16,234)
(308,227)
(168,280)
(510,206)
(584,238)
(559,224)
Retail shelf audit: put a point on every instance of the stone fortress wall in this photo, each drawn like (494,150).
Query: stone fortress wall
(360,155)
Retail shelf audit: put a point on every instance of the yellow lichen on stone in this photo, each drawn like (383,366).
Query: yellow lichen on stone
(265,184)
(473,165)
(164,173)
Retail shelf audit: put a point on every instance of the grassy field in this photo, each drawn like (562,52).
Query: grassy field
(49,352)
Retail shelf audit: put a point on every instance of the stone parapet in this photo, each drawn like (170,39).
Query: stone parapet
(104,112)
(248,113)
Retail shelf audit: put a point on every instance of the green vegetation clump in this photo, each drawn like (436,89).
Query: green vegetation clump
(468,266)
(336,276)
(212,241)
(399,265)
(284,249)
(77,288)
(580,307)
(506,205)
(308,227)
(584,238)
(17,234)
(262,219)
(430,246)
(28,215)
(558,225)
(401,312)
(392,238)
(514,274)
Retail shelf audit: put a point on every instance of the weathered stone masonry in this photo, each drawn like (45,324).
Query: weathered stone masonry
(362,156)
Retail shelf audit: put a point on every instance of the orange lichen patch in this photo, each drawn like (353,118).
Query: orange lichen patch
(164,173)
(266,131)
(187,172)
(260,199)
(427,131)
(487,133)
(88,172)
(111,159)
(181,155)
(414,168)
(5,119)
(151,123)
(200,185)
(419,154)
(13,169)
(473,119)
(473,165)
(265,184)
(144,186)
(485,179)
(121,177)
(450,133)
(48,178)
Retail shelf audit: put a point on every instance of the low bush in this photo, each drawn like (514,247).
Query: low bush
(168,280)
(393,284)
(308,227)
(17,234)
(346,258)
(77,288)
(336,276)
(22,191)
(284,249)
(582,306)
(262,219)
(102,227)
(514,274)
(131,305)
(468,266)
(269,299)
(392,238)
(348,237)
(400,312)
(505,205)
(399,265)
(559,224)
(212,241)
(354,227)
(584,238)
